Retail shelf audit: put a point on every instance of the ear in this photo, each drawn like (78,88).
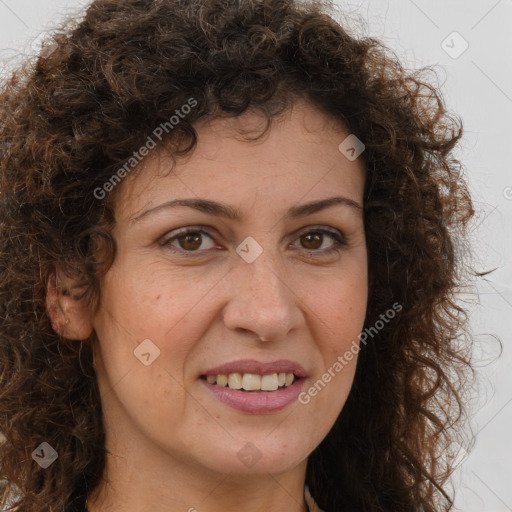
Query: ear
(68,313)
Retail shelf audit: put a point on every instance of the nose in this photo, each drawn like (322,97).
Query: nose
(264,299)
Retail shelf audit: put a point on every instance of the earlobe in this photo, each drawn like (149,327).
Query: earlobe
(68,313)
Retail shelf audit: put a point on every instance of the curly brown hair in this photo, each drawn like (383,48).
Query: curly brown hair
(73,117)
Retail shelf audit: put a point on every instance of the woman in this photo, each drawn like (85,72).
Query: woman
(229,251)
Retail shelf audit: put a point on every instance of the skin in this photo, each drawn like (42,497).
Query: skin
(172,445)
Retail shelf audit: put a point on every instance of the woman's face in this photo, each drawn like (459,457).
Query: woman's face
(178,312)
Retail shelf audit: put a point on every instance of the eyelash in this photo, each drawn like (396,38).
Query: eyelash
(339,242)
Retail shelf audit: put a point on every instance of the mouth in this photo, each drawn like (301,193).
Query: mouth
(252,382)
(254,387)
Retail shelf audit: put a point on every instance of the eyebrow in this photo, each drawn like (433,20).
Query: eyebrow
(223,210)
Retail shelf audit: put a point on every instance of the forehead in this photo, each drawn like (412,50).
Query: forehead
(298,155)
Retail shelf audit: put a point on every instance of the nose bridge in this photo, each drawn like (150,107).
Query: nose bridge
(263,301)
(265,277)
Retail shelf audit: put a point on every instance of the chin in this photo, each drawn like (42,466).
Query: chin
(256,456)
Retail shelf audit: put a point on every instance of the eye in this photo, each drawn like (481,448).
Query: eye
(190,240)
(313,240)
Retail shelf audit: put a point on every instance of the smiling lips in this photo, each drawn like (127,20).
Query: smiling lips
(255,387)
(252,381)
(252,375)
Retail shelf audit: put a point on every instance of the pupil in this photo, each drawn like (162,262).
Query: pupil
(310,236)
(190,238)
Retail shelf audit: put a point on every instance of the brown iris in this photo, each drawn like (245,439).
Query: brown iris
(190,238)
(312,236)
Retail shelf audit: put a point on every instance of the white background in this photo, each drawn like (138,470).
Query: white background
(478,86)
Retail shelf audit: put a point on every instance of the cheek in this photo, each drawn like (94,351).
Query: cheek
(148,400)
(145,303)
(141,348)
(337,340)
(338,309)
(155,314)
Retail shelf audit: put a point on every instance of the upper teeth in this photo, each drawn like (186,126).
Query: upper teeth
(251,381)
